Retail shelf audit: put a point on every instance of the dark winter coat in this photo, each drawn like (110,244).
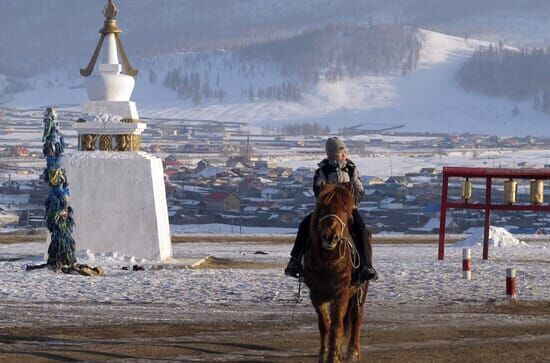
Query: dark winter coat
(333,171)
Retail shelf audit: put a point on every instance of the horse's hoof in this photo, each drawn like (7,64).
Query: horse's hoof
(354,356)
(334,359)
(322,355)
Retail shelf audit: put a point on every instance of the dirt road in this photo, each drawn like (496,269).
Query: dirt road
(495,331)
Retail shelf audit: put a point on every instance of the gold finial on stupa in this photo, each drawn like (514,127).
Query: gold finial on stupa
(110,10)
(110,27)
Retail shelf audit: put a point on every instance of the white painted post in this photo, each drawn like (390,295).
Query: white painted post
(511,283)
(466,264)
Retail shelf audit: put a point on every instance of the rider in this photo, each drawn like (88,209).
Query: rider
(337,168)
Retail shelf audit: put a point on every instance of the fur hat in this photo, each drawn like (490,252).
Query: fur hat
(333,146)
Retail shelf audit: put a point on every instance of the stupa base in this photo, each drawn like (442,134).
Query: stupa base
(119,203)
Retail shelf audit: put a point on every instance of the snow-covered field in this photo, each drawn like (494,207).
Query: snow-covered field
(384,163)
(219,228)
(408,274)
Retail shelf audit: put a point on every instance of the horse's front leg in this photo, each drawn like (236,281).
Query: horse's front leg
(339,307)
(323,315)
(356,317)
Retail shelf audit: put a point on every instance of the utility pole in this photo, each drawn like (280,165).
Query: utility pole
(248,147)
(391,168)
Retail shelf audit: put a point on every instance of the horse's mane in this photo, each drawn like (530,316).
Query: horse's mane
(335,195)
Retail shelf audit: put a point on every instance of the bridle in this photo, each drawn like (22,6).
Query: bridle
(340,240)
(339,237)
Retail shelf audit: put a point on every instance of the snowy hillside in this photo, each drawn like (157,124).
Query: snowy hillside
(10,85)
(426,99)
(38,29)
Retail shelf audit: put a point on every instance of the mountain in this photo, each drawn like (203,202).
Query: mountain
(339,62)
(419,92)
(426,99)
(38,36)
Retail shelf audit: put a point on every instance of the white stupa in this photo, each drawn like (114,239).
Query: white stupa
(109,91)
(117,192)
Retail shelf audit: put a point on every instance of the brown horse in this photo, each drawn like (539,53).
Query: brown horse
(328,268)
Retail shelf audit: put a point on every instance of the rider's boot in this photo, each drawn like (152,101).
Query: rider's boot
(369,273)
(294,268)
(364,273)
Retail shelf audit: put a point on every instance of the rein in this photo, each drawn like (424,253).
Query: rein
(354,253)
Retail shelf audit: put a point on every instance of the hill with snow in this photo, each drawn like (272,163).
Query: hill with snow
(46,33)
(425,98)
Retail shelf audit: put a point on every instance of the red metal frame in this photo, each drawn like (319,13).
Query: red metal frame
(489,174)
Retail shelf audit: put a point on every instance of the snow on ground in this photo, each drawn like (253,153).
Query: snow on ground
(428,99)
(219,228)
(384,163)
(498,236)
(408,274)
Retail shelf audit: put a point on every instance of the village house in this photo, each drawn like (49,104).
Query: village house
(428,171)
(212,171)
(19,151)
(372,180)
(398,191)
(250,187)
(238,162)
(279,172)
(7,218)
(10,186)
(432,226)
(265,164)
(201,165)
(223,201)
(155,148)
(374,195)
(304,197)
(402,180)
(267,205)
(272,193)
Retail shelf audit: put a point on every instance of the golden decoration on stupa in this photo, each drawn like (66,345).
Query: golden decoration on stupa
(110,27)
(110,10)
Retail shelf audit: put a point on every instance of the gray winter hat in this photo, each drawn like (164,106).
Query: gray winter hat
(333,146)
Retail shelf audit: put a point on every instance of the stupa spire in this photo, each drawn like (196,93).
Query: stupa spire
(111,31)
(110,10)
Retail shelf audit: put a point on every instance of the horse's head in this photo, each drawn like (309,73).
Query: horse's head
(333,214)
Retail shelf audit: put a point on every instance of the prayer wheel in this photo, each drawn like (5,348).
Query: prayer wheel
(466,190)
(537,192)
(510,191)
